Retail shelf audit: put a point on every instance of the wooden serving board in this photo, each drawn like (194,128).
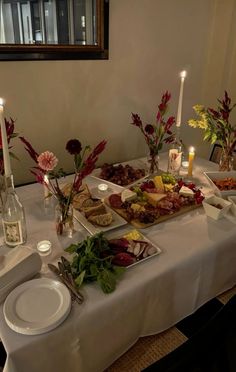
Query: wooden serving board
(139,225)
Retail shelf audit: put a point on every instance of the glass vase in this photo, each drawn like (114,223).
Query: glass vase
(153,163)
(226,161)
(64,220)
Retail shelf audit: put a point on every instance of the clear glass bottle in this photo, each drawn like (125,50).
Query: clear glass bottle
(175,158)
(13,217)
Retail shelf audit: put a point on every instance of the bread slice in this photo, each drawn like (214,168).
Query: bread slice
(101,219)
(95,210)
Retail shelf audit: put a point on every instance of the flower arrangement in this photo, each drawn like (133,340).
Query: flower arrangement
(217,128)
(46,172)
(156,134)
(10,129)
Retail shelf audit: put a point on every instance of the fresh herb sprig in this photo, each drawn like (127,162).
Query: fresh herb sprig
(91,263)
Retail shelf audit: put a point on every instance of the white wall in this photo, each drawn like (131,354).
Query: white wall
(151,41)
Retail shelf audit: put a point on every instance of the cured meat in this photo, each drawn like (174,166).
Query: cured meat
(115,201)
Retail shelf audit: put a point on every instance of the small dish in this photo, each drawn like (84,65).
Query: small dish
(221,176)
(216,207)
(232,199)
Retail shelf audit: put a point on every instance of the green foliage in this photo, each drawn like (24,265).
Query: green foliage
(91,263)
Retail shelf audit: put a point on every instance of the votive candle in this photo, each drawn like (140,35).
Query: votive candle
(183,75)
(191,156)
(102,187)
(5,148)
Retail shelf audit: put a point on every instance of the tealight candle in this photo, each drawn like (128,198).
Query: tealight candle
(191,156)
(44,247)
(185,164)
(102,187)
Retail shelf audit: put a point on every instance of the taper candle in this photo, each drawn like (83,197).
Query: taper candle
(191,156)
(183,75)
(5,148)
(46,190)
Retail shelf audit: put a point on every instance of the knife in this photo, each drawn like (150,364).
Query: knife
(56,271)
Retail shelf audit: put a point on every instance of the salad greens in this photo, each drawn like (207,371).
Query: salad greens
(91,263)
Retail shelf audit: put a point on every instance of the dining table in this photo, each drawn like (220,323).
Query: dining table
(197,262)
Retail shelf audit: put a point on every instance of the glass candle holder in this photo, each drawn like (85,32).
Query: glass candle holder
(44,247)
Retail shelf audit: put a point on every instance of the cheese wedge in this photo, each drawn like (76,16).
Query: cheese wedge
(185,191)
(154,198)
(128,195)
(133,235)
(158,183)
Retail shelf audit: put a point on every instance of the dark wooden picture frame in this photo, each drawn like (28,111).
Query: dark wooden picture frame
(21,52)
(216,153)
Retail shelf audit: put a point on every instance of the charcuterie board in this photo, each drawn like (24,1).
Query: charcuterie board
(155,200)
(139,225)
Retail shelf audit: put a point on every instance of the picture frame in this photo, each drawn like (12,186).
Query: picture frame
(216,154)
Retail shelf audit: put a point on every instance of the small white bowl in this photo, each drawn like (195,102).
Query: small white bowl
(232,199)
(212,211)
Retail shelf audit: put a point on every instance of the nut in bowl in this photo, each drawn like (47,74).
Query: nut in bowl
(232,200)
(216,207)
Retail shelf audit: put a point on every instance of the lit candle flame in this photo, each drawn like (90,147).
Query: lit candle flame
(192,150)
(183,74)
(1,102)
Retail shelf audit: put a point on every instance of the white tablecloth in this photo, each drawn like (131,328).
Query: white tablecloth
(196,264)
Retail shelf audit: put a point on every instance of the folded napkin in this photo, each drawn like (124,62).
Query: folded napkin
(17,266)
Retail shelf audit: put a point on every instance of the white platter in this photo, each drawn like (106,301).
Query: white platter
(97,172)
(142,238)
(118,221)
(220,175)
(37,306)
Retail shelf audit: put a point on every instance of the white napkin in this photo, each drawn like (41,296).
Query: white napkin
(17,266)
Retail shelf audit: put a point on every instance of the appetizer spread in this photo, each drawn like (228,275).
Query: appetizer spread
(155,200)
(122,175)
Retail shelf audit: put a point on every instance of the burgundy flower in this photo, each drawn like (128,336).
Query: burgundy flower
(215,114)
(149,129)
(136,120)
(169,123)
(74,147)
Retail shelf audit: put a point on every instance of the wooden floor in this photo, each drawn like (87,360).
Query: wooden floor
(148,350)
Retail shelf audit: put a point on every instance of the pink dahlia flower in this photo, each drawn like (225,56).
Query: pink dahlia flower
(47,161)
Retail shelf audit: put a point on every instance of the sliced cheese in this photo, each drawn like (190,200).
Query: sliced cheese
(128,195)
(185,191)
(133,235)
(158,183)
(154,198)
(168,186)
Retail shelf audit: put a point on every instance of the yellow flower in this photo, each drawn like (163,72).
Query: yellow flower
(199,109)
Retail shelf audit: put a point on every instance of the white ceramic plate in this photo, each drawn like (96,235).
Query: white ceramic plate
(37,306)
(220,175)
(118,221)
(142,238)
(97,172)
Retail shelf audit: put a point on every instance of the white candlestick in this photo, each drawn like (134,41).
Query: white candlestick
(179,112)
(6,156)
(46,190)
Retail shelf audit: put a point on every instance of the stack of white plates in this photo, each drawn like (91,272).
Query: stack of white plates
(37,306)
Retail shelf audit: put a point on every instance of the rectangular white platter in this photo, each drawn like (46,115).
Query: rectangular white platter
(118,221)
